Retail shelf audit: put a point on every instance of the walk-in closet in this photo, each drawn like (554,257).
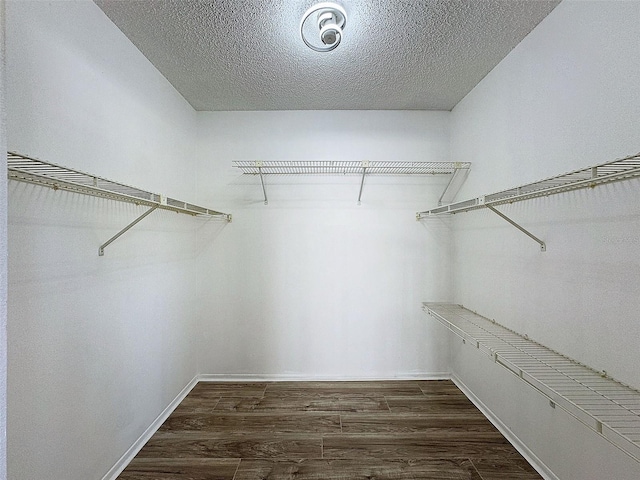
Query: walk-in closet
(355,239)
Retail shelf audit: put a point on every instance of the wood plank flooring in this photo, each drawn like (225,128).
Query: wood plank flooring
(400,430)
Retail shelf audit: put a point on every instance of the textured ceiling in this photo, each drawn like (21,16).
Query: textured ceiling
(395,54)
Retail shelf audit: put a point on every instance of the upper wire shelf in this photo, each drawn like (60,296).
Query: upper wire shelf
(613,171)
(457,170)
(38,172)
(303,167)
(608,407)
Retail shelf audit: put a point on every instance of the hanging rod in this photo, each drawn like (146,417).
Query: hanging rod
(589,177)
(457,170)
(38,172)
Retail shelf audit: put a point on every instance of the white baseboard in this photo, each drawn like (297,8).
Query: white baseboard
(531,457)
(121,464)
(296,377)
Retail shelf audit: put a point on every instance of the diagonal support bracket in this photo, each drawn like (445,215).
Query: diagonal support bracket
(264,190)
(459,175)
(124,230)
(543,246)
(365,165)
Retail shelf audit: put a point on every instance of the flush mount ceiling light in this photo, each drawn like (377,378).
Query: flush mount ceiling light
(322,25)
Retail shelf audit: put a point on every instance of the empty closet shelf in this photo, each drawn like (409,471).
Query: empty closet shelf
(608,407)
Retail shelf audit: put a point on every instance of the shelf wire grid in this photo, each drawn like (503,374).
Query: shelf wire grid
(610,408)
(304,167)
(589,177)
(31,170)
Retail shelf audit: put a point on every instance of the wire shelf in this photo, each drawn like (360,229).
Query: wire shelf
(26,169)
(304,167)
(608,172)
(457,170)
(610,408)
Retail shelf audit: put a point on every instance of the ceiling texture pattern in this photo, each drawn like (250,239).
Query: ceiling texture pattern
(395,54)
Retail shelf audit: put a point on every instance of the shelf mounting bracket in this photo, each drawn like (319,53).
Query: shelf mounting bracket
(264,190)
(365,165)
(543,246)
(124,230)
(459,175)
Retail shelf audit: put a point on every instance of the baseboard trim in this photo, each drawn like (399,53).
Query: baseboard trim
(122,463)
(518,444)
(295,377)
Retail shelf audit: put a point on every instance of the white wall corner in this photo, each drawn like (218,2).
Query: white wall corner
(3,251)
(518,444)
(122,463)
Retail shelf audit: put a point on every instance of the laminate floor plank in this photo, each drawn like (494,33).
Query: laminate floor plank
(449,444)
(378,469)
(391,430)
(505,468)
(204,445)
(439,387)
(391,387)
(197,405)
(180,469)
(311,402)
(431,403)
(414,423)
(222,422)
(224,389)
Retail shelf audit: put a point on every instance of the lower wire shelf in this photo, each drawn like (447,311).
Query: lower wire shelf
(608,407)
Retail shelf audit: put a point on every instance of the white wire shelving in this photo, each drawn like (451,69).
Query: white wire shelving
(38,172)
(589,177)
(608,407)
(457,170)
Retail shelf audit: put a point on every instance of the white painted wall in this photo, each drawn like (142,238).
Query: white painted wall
(98,347)
(312,285)
(3,253)
(565,98)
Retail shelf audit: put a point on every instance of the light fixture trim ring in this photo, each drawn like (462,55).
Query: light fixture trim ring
(341,21)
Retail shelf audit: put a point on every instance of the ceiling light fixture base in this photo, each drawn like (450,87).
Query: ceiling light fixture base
(322,25)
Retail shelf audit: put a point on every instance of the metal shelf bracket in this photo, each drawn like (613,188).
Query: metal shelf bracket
(365,165)
(124,230)
(264,190)
(460,173)
(543,246)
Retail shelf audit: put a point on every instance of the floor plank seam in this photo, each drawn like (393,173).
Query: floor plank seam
(476,469)
(385,401)
(237,468)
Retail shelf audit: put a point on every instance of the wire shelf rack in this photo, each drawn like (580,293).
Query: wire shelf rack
(589,177)
(26,169)
(304,167)
(38,172)
(457,170)
(608,407)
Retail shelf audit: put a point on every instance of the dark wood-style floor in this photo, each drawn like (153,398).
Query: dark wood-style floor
(407,430)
